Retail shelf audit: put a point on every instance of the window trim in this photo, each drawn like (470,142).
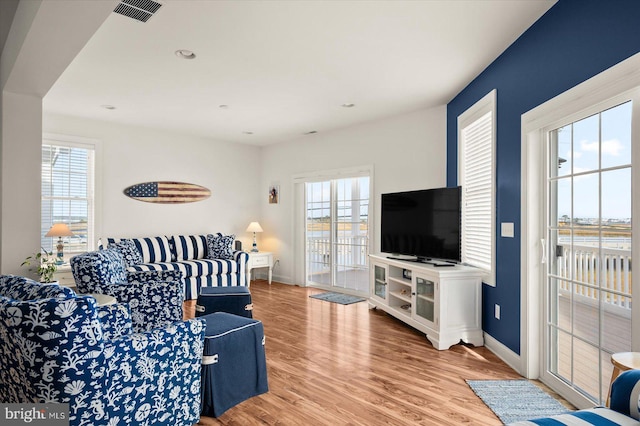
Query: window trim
(96,145)
(485,105)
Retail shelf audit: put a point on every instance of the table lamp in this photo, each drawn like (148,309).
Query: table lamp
(59,230)
(254,227)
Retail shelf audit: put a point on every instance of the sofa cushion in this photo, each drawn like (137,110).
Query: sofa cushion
(190,247)
(591,416)
(191,268)
(21,288)
(220,246)
(129,251)
(152,249)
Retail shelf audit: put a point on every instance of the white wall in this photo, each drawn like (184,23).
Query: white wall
(407,152)
(133,155)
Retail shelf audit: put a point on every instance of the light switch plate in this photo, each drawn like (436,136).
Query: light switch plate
(507,229)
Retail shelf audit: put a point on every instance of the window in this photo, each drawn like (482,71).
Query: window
(68,170)
(476,153)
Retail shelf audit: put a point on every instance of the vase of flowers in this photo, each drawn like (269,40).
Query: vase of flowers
(44,263)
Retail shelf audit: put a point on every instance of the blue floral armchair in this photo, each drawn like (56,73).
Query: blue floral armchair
(155,297)
(56,346)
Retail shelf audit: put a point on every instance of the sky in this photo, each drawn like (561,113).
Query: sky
(608,135)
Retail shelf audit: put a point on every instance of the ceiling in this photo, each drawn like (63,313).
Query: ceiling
(280,69)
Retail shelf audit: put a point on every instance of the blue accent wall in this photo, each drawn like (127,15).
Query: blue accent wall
(572,42)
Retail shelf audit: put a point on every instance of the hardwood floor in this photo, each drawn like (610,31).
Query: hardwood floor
(331,364)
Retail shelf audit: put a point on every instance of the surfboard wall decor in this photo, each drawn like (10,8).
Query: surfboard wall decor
(167,192)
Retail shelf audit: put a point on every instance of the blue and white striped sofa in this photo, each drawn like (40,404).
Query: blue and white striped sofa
(188,254)
(624,407)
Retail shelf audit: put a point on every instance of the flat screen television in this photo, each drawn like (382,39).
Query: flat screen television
(424,224)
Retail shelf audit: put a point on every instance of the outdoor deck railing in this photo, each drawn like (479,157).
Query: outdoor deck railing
(612,269)
(350,251)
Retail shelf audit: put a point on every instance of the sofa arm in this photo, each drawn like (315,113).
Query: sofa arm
(242,257)
(155,376)
(115,320)
(152,304)
(625,393)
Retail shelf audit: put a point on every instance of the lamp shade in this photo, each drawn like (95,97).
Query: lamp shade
(59,230)
(254,227)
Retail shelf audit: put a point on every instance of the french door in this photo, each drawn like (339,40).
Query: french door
(588,280)
(337,234)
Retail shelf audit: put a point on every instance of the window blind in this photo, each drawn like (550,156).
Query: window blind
(477,196)
(67,194)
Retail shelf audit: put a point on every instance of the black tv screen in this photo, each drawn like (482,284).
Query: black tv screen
(424,223)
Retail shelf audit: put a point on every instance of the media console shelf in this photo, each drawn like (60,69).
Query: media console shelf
(443,303)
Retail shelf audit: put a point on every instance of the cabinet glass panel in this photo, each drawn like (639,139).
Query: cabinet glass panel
(424,298)
(380,288)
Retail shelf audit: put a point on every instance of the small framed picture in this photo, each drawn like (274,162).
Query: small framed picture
(274,194)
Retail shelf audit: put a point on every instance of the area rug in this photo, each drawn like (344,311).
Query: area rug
(343,299)
(516,400)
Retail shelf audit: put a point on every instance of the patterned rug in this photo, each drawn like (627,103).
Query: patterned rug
(343,299)
(516,400)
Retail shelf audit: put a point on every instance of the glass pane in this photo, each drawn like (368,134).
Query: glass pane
(561,149)
(560,253)
(585,200)
(616,197)
(586,367)
(616,136)
(560,190)
(616,323)
(586,146)
(586,315)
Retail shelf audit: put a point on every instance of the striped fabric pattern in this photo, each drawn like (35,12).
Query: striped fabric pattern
(190,247)
(191,268)
(593,416)
(152,249)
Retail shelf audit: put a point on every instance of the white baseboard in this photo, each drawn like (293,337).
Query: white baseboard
(507,355)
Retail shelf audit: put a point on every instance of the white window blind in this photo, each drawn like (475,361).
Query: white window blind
(476,176)
(68,194)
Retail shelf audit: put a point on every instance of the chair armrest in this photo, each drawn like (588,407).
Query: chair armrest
(115,320)
(156,375)
(152,304)
(625,393)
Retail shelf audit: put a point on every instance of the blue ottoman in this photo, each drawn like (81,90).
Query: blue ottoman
(234,365)
(234,300)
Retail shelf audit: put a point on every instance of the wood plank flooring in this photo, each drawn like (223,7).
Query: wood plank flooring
(331,364)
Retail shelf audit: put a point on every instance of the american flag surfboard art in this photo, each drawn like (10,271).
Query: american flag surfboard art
(167,192)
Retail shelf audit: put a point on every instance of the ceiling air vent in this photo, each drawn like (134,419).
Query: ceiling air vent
(140,10)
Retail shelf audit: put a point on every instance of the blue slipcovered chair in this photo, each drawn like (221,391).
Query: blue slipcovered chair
(155,297)
(56,346)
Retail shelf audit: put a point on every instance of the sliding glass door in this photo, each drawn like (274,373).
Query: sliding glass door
(589,232)
(337,234)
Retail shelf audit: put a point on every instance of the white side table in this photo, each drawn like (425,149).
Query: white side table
(64,276)
(259,259)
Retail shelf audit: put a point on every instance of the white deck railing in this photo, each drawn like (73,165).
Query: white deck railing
(612,270)
(350,251)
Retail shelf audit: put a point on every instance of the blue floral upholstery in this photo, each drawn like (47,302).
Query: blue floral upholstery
(155,298)
(62,348)
(190,255)
(220,246)
(129,252)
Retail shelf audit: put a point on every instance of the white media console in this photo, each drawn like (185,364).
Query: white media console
(444,302)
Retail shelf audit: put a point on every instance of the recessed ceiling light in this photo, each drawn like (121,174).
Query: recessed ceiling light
(248,133)
(107,106)
(223,106)
(311,132)
(185,54)
(348,105)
